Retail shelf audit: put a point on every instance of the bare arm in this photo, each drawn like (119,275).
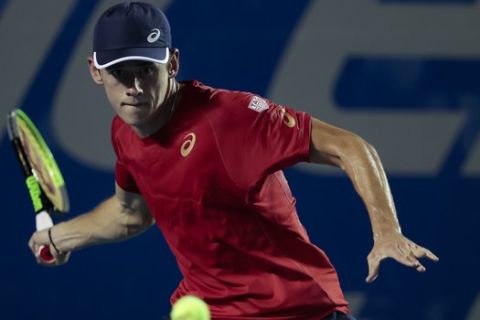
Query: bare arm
(120,217)
(360,161)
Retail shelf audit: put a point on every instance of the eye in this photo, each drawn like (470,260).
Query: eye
(117,73)
(147,70)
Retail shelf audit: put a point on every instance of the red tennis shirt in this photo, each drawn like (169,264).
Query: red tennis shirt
(212,180)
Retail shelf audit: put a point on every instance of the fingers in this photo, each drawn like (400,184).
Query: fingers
(40,239)
(59,258)
(421,252)
(37,240)
(31,245)
(407,257)
(402,250)
(62,258)
(417,252)
(414,263)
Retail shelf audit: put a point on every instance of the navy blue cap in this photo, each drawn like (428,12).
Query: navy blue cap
(131,31)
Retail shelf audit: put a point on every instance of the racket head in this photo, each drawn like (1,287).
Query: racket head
(39,158)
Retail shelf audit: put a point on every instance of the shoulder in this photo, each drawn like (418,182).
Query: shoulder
(220,108)
(231,109)
(239,110)
(218,98)
(231,105)
(236,101)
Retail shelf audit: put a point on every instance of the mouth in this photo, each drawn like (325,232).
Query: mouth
(134,104)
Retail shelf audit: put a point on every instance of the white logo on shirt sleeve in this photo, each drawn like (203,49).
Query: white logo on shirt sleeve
(258,104)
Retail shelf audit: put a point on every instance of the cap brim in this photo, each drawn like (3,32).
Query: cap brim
(105,59)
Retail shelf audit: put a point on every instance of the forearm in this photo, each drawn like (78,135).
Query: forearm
(364,168)
(360,161)
(108,222)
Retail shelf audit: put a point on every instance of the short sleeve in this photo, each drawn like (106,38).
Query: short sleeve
(122,176)
(257,137)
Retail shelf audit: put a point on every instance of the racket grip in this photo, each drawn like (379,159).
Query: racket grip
(44,221)
(45,254)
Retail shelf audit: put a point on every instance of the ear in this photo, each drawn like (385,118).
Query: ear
(174,63)
(94,72)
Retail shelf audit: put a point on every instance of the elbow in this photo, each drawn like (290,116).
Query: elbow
(337,147)
(354,149)
(367,149)
(363,146)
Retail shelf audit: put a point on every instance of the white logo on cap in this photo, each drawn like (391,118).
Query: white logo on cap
(154,35)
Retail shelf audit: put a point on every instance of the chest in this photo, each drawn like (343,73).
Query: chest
(182,163)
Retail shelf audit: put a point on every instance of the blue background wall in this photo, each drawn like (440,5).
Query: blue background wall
(403,74)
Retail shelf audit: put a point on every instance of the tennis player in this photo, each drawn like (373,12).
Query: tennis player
(205,165)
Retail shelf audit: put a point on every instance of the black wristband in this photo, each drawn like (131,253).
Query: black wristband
(51,241)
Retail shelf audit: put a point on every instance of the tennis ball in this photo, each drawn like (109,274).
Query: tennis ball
(190,308)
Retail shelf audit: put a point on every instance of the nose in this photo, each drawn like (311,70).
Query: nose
(134,89)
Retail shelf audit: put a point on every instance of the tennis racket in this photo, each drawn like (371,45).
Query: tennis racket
(43,178)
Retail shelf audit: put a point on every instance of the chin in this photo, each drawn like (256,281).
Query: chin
(131,119)
(133,116)
(135,122)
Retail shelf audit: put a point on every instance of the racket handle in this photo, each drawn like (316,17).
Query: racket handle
(45,254)
(44,221)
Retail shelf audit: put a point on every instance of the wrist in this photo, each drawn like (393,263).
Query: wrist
(384,223)
(381,233)
(52,242)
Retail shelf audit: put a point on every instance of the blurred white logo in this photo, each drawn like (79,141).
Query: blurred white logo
(321,62)
(154,35)
(258,104)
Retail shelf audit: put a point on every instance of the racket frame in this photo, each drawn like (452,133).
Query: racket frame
(42,205)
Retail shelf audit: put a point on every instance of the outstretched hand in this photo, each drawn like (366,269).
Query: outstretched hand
(400,248)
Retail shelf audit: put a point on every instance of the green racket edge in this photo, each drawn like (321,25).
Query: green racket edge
(50,162)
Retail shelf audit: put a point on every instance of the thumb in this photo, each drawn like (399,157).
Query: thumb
(373,268)
(41,248)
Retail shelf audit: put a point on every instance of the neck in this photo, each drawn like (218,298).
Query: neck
(164,113)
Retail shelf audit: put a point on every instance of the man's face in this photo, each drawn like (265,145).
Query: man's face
(136,90)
